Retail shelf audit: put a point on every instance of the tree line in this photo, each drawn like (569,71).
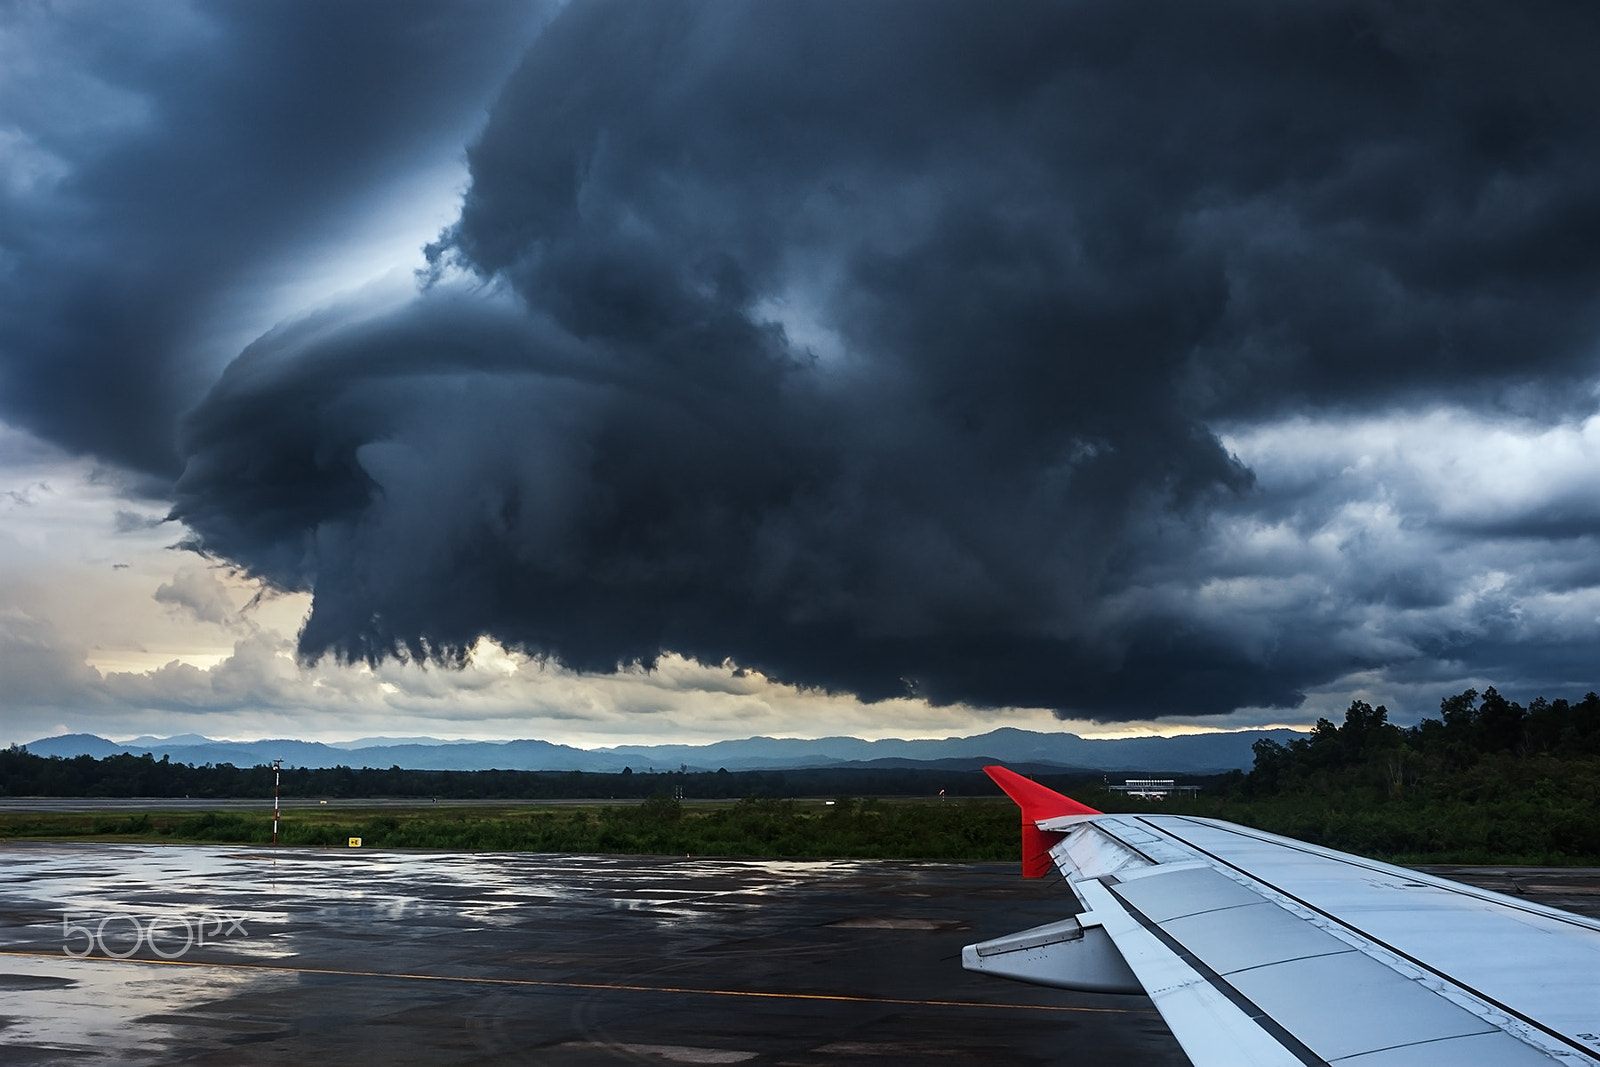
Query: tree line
(1487,781)
(24,774)
(1471,733)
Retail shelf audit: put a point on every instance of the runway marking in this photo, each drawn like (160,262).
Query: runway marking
(675,1053)
(603,987)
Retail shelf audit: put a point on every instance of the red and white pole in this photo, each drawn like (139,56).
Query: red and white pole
(277,769)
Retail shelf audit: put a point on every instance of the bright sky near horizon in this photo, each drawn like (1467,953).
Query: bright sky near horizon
(613,372)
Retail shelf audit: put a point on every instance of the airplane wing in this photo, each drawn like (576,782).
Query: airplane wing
(1259,949)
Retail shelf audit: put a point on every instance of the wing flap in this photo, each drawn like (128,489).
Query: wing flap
(1214,1030)
(1479,1050)
(1258,949)
(1067,955)
(1346,1004)
(1317,996)
(1534,971)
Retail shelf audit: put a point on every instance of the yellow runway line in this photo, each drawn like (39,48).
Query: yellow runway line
(604,987)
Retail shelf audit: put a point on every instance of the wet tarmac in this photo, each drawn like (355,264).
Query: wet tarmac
(247,956)
(112,805)
(234,955)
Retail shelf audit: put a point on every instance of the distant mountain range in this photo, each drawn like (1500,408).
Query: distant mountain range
(1189,754)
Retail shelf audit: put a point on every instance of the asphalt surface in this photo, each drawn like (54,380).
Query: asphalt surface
(307,956)
(241,955)
(130,804)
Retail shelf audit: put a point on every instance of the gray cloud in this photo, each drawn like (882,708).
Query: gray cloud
(40,669)
(164,152)
(128,521)
(198,592)
(881,346)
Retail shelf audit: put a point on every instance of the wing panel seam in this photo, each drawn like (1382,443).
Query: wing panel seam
(1481,997)
(1425,1041)
(1291,1044)
(1218,911)
(1458,888)
(1292,959)
(1131,848)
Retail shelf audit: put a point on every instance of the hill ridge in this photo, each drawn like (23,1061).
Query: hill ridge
(1187,753)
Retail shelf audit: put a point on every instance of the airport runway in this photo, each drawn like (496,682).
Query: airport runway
(353,956)
(119,805)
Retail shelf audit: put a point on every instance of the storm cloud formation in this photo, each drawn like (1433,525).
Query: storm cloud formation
(154,157)
(885,347)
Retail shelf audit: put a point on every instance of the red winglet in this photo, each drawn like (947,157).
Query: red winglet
(1036,802)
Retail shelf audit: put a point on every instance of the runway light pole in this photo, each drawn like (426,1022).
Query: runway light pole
(277,772)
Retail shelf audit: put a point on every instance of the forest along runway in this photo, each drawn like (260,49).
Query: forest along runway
(250,955)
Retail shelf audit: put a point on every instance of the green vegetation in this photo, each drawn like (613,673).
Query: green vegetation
(1489,781)
(24,774)
(866,829)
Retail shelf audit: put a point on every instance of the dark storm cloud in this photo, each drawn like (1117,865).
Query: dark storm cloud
(875,345)
(175,148)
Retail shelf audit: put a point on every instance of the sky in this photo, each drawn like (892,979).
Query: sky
(630,372)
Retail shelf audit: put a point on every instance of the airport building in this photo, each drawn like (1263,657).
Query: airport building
(1153,788)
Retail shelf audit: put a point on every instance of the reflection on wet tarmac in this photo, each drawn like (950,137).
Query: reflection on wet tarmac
(361,956)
